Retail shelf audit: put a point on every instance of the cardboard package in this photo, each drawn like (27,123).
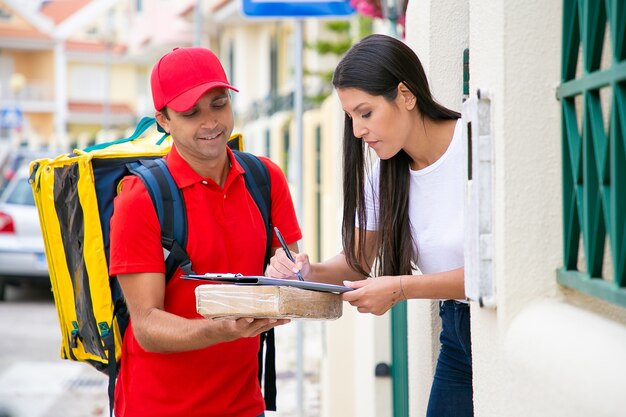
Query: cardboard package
(220,301)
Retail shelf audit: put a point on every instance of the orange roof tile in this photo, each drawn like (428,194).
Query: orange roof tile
(12,32)
(59,10)
(218,5)
(85,107)
(71,45)
(82,46)
(187,9)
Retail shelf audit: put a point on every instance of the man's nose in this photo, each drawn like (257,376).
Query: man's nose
(209,121)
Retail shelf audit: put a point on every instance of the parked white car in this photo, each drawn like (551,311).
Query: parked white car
(22,255)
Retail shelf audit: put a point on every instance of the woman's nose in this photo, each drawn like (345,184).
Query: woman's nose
(358,129)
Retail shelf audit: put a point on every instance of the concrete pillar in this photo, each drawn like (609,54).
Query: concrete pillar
(60,95)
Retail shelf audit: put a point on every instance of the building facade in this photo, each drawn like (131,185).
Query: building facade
(546,282)
(548,343)
(545,94)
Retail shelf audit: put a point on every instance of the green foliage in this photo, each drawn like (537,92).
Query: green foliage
(365,26)
(326,76)
(342,31)
(317,99)
(331,47)
(339,26)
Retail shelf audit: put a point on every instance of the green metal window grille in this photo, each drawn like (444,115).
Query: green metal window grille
(285,154)
(399,360)
(466,73)
(593,101)
(318,192)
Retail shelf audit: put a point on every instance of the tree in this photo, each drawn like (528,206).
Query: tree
(344,35)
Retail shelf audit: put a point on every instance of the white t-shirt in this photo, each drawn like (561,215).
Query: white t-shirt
(436,195)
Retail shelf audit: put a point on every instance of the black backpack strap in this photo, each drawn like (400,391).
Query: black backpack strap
(170,208)
(119,310)
(257,179)
(269,377)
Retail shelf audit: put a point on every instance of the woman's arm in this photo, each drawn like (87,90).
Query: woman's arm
(440,286)
(332,271)
(377,295)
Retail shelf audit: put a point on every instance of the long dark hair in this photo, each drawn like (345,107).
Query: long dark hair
(376,65)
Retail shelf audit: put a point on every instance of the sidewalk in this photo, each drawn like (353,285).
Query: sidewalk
(286,368)
(35,382)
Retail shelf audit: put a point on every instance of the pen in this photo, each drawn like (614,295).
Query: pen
(287,251)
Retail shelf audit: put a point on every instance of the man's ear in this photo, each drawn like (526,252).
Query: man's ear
(163,121)
(408,98)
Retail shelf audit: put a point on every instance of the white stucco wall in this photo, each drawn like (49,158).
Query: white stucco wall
(437,30)
(355,343)
(545,350)
(251,45)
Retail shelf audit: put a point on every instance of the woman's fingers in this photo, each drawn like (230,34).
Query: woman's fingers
(370,296)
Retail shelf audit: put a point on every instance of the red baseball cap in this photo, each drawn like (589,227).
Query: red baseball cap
(183,75)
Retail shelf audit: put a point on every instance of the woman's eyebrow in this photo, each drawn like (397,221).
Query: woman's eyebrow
(358,106)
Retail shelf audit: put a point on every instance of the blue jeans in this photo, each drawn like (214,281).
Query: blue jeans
(451,392)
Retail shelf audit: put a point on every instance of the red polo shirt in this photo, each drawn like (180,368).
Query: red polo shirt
(225,234)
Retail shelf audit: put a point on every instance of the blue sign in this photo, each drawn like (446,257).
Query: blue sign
(11,117)
(296,8)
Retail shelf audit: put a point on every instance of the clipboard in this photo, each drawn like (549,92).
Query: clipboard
(261,280)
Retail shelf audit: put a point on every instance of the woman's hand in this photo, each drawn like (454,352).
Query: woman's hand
(375,295)
(281,267)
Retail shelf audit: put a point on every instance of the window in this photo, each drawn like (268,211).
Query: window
(286,151)
(22,194)
(274,66)
(7,68)
(593,103)
(87,83)
(231,63)
(5,14)
(318,192)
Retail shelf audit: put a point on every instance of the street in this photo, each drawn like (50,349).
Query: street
(35,382)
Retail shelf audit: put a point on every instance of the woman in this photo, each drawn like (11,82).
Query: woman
(407,211)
